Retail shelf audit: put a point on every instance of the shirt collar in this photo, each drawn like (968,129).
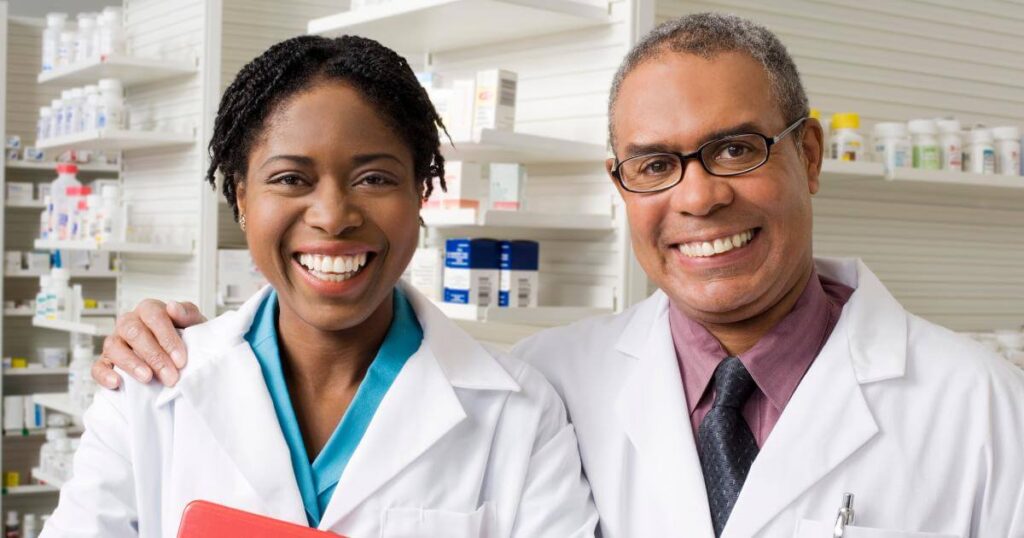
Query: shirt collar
(779,359)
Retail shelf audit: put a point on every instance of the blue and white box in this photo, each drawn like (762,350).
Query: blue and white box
(471,271)
(519,274)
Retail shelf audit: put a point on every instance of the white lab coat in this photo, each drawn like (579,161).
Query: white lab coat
(466,443)
(922,425)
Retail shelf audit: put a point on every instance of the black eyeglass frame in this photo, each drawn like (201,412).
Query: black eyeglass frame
(696,154)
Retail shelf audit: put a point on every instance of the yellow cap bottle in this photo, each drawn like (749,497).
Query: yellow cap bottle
(845,120)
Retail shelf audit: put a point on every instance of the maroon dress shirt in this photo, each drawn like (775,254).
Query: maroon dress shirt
(777,362)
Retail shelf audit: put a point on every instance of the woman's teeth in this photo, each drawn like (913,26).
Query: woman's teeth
(333,268)
(706,249)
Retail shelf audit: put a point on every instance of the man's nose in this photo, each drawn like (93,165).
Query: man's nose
(699,193)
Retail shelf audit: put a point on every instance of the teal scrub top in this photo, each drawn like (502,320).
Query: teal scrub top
(318,479)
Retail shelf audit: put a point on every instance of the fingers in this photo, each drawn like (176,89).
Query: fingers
(117,353)
(184,315)
(103,373)
(134,328)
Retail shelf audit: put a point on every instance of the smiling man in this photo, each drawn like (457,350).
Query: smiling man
(759,384)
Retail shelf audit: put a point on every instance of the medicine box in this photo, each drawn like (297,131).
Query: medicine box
(471,271)
(237,276)
(37,262)
(519,274)
(495,106)
(14,413)
(508,183)
(426,272)
(467,188)
(42,191)
(34,154)
(461,106)
(20,191)
(13,142)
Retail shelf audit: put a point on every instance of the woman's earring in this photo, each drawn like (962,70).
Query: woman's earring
(241,221)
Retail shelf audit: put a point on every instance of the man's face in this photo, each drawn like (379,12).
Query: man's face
(676,102)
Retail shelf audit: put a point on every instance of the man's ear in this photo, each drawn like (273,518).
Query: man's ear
(812,146)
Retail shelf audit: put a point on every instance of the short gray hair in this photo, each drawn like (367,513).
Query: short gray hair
(710,34)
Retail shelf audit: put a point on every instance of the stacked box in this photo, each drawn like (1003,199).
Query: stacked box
(471,271)
(519,274)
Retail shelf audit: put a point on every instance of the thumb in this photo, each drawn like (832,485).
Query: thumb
(184,315)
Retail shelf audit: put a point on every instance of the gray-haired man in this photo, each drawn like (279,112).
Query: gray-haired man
(760,384)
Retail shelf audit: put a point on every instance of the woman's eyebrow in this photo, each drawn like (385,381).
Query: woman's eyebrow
(365,158)
(299,159)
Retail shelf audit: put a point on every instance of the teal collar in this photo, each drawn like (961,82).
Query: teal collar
(318,479)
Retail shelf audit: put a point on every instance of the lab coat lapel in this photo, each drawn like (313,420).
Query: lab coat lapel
(828,419)
(652,410)
(226,387)
(420,408)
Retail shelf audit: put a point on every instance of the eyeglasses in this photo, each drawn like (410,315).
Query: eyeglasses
(724,157)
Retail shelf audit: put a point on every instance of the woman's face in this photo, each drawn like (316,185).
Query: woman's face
(331,206)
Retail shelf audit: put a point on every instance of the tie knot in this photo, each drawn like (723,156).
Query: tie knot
(733,384)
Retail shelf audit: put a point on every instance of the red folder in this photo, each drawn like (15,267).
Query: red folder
(203,519)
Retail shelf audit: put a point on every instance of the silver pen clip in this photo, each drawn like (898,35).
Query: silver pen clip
(845,516)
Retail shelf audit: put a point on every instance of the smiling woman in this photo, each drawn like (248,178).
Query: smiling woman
(334,398)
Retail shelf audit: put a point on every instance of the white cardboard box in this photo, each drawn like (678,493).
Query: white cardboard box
(495,106)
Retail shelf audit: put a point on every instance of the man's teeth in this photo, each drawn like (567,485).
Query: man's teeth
(704,249)
(333,268)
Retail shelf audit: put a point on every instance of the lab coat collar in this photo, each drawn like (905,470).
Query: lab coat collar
(825,422)
(652,411)
(419,409)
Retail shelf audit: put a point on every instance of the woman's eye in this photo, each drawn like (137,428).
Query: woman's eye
(376,180)
(290,180)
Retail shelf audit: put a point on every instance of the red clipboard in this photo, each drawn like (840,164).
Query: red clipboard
(202,519)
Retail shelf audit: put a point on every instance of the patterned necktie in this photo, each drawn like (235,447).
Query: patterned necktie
(727,446)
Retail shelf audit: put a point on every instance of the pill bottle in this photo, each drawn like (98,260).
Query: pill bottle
(847,144)
(892,145)
(951,144)
(980,152)
(1007,142)
(925,142)
(51,39)
(111,110)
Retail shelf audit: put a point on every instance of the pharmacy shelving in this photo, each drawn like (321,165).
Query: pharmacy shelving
(936,182)
(35,371)
(32,489)
(851,170)
(493,145)
(46,478)
(19,312)
(94,326)
(116,140)
(37,433)
(151,249)
(130,70)
(50,166)
(457,218)
(57,401)
(438,25)
(24,204)
(74,274)
(538,316)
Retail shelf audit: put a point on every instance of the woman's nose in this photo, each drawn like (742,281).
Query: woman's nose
(333,210)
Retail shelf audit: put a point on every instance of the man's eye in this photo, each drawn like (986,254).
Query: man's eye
(657,166)
(734,151)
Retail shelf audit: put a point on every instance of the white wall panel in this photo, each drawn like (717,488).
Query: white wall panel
(951,257)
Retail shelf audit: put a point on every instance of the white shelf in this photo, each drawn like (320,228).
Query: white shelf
(454,218)
(19,312)
(43,477)
(95,326)
(173,251)
(961,182)
(30,204)
(37,371)
(74,274)
(51,166)
(540,316)
(128,69)
(34,489)
(116,140)
(436,25)
(505,146)
(37,433)
(57,401)
(957,178)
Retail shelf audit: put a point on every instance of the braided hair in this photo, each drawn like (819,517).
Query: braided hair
(380,75)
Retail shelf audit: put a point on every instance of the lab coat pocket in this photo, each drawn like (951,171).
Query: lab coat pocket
(816,529)
(423,523)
